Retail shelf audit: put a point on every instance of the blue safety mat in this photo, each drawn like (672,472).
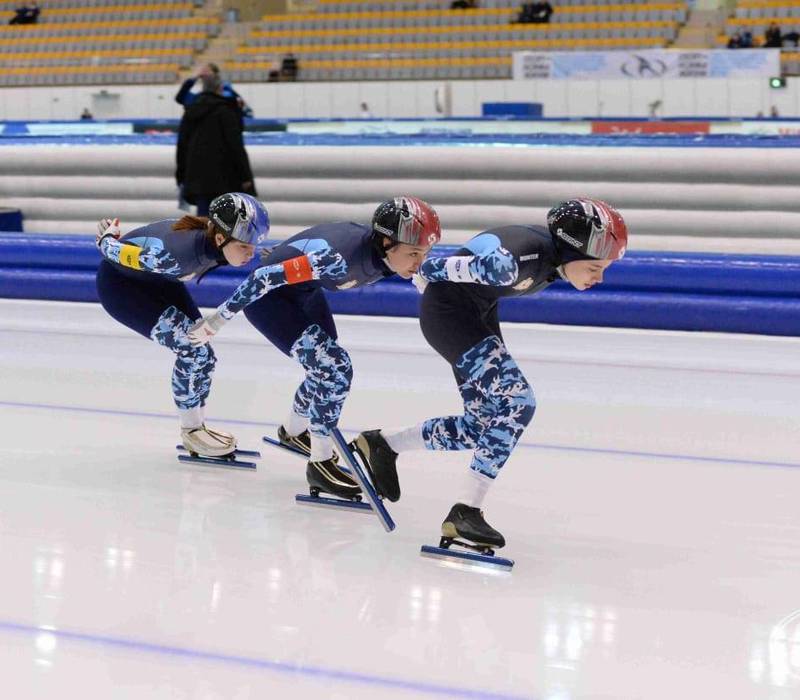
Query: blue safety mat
(439,139)
(668,291)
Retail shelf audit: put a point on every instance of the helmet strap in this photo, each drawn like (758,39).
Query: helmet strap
(221,259)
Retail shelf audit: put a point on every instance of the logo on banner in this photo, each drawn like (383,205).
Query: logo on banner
(693,64)
(639,66)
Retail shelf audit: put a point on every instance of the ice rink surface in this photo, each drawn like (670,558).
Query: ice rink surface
(652,510)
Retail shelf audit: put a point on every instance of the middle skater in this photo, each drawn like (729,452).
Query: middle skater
(286,303)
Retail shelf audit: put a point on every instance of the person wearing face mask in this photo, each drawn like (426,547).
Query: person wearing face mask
(285,301)
(140,282)
(459,319)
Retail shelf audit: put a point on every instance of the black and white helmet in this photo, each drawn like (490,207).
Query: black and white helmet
(590,227)
(240,217)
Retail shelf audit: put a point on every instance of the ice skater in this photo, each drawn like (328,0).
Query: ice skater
(285,301)
(459,319)
(140,283)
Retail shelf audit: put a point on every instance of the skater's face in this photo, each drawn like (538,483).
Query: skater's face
(236,252)
(405,259)
(583,274)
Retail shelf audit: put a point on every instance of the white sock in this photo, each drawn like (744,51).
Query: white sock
(191,417)
(405,439)
(295,423)
(474,487)
(321,447)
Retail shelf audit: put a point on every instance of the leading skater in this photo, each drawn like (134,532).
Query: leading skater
(140,284)
(459,319)
(285,301)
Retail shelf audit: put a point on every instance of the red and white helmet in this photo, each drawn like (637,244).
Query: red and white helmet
(407,220)
(589,226)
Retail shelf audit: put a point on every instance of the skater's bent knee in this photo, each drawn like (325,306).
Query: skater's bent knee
(520,401)
(528,402)
(340,364)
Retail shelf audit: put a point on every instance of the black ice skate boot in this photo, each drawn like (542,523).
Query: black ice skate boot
(467,523)
(326,476)
(300,442)
(381,463)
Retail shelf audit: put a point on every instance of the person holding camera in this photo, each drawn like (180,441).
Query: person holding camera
(211,157)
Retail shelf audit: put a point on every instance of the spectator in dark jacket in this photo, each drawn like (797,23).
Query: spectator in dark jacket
(27,14)
(211,158)
(535,13)
(289,67)
(772,37)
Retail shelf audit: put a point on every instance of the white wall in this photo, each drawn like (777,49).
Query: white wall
(579,98)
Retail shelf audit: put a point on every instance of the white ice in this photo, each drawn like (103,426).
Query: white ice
(652,510)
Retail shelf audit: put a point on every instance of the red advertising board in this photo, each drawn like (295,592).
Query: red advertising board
(651,126)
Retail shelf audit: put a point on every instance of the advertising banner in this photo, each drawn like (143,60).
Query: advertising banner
(646,64)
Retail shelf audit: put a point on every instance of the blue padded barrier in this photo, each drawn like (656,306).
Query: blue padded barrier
(673,291)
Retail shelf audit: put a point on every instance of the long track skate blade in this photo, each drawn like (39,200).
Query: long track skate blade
(272,442)
(242,453)
(217,462)
(467,557)
(292,450)
(337,503)
(365,484)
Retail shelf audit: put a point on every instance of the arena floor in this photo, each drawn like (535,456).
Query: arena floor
(651,510)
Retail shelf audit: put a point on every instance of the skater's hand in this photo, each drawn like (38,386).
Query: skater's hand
(205,329)
(107,227)
(419,282)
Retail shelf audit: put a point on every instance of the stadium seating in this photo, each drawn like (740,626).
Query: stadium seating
(102,41)
(387,39)
(756,15)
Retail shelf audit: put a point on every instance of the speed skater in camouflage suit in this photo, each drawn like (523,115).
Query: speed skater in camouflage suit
(140,282)
(285,301)
(459,319)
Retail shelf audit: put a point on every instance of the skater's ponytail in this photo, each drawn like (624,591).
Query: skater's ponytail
(198,223)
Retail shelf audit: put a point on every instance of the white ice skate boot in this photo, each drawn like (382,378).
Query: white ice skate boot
(222,435)
(206,442)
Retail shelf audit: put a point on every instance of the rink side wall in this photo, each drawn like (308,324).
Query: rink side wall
(726,200)
(679,97)
(667,291)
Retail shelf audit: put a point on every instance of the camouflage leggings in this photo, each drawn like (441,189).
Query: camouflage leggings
(191,375)
(498,405)
(329,374)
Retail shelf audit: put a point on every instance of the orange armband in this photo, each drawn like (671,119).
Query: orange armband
(297,270)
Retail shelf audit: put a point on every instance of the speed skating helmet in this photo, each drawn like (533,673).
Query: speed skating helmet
(407,220)
(240,217)
(590,227)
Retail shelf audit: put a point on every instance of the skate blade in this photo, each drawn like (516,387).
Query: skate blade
(286,448)
(228,462)
(293,450)
(464,557)
(357,472)
(332,502)
(242,453)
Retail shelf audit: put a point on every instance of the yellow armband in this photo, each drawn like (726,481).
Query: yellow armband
(129,256)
